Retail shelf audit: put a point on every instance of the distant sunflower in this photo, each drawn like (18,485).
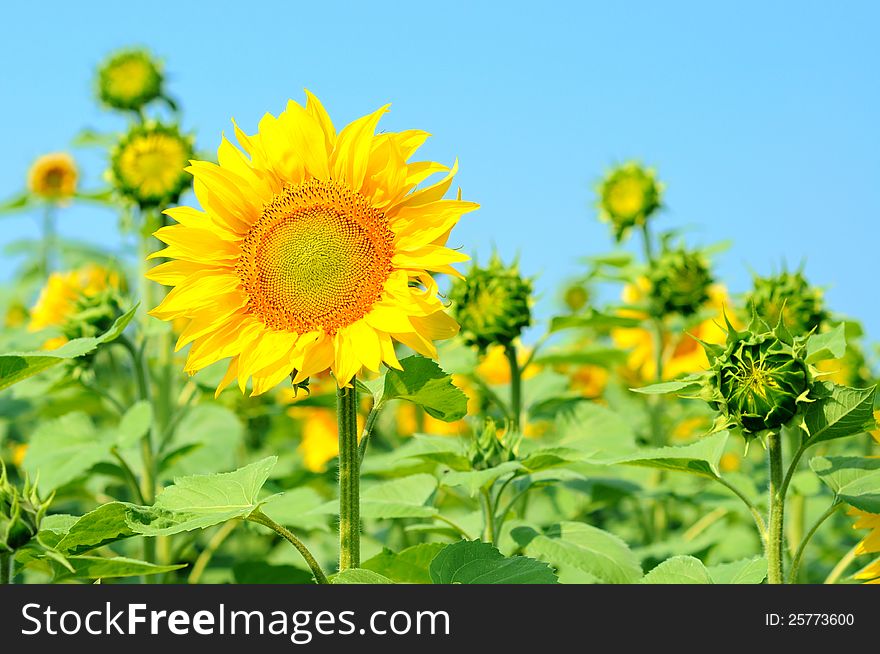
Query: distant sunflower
(628,196)
(149,164)
(129,79)
(53,176)
(314,252)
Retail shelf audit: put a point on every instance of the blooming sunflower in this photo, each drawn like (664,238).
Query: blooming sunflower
(148,165)
(314,250)
(57,302)
(53,176)
(129,80)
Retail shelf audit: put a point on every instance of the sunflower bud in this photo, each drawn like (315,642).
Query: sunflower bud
(759,379)
(576,297)
(129,80)
(492,304)
(680,282)
(628,196)
(487,450)
(789,297)
(148,164)
(20,513)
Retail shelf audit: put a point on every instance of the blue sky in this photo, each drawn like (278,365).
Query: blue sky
(761,118)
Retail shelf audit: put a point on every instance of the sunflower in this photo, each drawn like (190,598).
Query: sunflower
(149,164)
(628,196)
(128,80)
(57,302)
(870,544)
(313,251)
(53,176)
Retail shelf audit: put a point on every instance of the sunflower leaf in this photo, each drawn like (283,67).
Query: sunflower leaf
(854,480)
(425,384)
(475,562)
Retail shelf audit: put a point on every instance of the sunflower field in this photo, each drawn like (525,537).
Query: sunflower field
(297,374)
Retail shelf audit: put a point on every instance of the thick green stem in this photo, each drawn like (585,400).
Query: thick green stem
(515,388)
(489,531)
(6,564)
(261,518)
(796,561)
(775,534)
(349,480)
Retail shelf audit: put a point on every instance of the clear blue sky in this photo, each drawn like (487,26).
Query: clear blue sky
(762,118)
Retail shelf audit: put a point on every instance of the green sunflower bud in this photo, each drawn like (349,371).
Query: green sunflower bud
(680,282)
(94,314)
(759,380)
(789,297)
(20,513)
(576,297)
(128,80)
(492,304)
(487,450)
(628,196)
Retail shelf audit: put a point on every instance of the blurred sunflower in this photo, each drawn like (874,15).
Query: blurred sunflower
(628,196)
(313,252)
(682,353)
(129,79)
(148,165)
(57,301)
(53,176)
(412,419)
(320,438)
(870,544)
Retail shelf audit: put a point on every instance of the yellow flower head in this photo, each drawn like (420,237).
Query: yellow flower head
(149,164)
(57,302)
(313,251)
(128,80)
(53,176)
(628,196)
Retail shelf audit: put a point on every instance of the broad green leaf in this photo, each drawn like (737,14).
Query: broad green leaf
(828,345)
(16,366)
(474,480)
(855,480)
(55,527)
(406,497)
(440,449)
(840,411)
(15,203)
(201,501)
(595,431)
(700,458)
(679,570)
(134,424)
(475,562)
(99,567)
(104,525)
(422,382)
(206,440)
(63,449)
(359,576)
(746,571)
(667,387)
(549,457)
(601,555)
(260,572)
(295,509)
(409,566)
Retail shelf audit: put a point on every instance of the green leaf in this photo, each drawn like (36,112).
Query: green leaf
(201,501)
(398,498)
(16,366)
(700,458)
(598,321)
(600,554)
(134,424)
(63,449)
(855,480)
(475,562)
(15,203)
(359,576)
(99,567)
(211,434)
(679,570)
(590,357)
(296,509)
(595,430)
(260,572)
(839,411)
(475,480)
(828,345)
(409,566)
(667,387)
(745,571)
(104,525)
(424,383)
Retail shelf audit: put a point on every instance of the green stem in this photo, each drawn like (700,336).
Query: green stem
(6,564)
(515,388)
(759,521)
(349,479)
(842,565)
(502,517)
(647,244)
(368,431)
(207,554)
(489,531)
(49,238)
(462,532)
(261,518)
(130,477)
(775,534)
(796,561)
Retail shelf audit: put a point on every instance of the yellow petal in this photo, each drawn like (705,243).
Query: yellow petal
(349,160)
